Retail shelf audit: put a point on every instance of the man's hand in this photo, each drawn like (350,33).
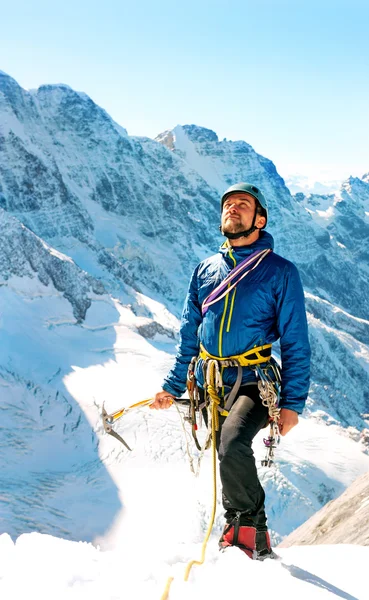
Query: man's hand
(162,400)
(287,419)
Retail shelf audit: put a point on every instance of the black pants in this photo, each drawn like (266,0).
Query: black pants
(242,491)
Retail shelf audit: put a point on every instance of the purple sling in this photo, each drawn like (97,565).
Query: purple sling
(234,277)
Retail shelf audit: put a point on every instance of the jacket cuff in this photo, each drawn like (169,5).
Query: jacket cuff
(167,388)
(296,404)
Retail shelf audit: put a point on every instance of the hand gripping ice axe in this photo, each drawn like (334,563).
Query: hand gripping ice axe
(110,419)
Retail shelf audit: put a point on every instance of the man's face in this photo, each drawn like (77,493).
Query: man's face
(238,213)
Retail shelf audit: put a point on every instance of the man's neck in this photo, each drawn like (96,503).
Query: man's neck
(245,241)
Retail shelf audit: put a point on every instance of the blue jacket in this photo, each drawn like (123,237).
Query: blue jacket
(267,305)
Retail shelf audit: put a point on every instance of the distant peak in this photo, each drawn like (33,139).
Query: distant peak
(193,132)
(352,181)
(200,134)
(6,81)
(53,86)
(166,139)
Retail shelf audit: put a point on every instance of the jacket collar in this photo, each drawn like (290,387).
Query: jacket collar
(265,240)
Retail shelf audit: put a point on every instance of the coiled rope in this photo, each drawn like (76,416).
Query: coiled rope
(268,398)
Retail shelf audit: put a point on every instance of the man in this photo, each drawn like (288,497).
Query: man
(264,305)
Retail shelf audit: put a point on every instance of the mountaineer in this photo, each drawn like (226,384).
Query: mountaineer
(260,302)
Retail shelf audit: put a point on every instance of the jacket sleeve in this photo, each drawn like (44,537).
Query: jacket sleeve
(295,347)
(188,346)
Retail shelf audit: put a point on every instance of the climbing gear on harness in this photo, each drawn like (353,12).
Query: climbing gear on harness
(195,406)
(234,277)
(269,391)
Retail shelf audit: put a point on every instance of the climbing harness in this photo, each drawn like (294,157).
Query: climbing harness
(268,377)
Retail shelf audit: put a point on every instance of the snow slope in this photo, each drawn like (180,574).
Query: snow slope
(65,570)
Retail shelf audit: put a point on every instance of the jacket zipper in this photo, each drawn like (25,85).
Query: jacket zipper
(225,311)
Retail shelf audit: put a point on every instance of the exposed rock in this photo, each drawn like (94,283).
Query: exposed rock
(344,520)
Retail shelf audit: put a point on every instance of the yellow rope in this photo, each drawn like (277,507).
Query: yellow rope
(214,428)
(167,588)
(214,412)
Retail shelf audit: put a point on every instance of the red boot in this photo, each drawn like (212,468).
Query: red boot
(256,544)
(242,536)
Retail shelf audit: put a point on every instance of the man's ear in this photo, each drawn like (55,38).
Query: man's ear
(260,221)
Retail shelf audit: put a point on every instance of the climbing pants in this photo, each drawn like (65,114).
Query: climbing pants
(241,488)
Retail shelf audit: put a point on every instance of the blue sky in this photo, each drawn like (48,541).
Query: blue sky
(289,77)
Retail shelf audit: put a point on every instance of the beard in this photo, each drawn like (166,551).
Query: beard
(232,226)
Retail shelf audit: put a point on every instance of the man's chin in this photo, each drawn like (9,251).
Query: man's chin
(235,229)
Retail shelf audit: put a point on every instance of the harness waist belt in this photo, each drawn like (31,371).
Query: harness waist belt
(255,356)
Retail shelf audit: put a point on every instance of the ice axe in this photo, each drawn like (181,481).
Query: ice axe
(109,420)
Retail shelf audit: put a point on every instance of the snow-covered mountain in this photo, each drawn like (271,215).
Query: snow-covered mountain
(100,232)
(115,204)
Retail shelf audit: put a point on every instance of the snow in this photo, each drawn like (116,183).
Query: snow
(326,214)
(45,567)
(335,309)
(205,168)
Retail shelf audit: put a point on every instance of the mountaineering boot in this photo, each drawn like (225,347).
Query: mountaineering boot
(255,544)
(263,547)
(242,536)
